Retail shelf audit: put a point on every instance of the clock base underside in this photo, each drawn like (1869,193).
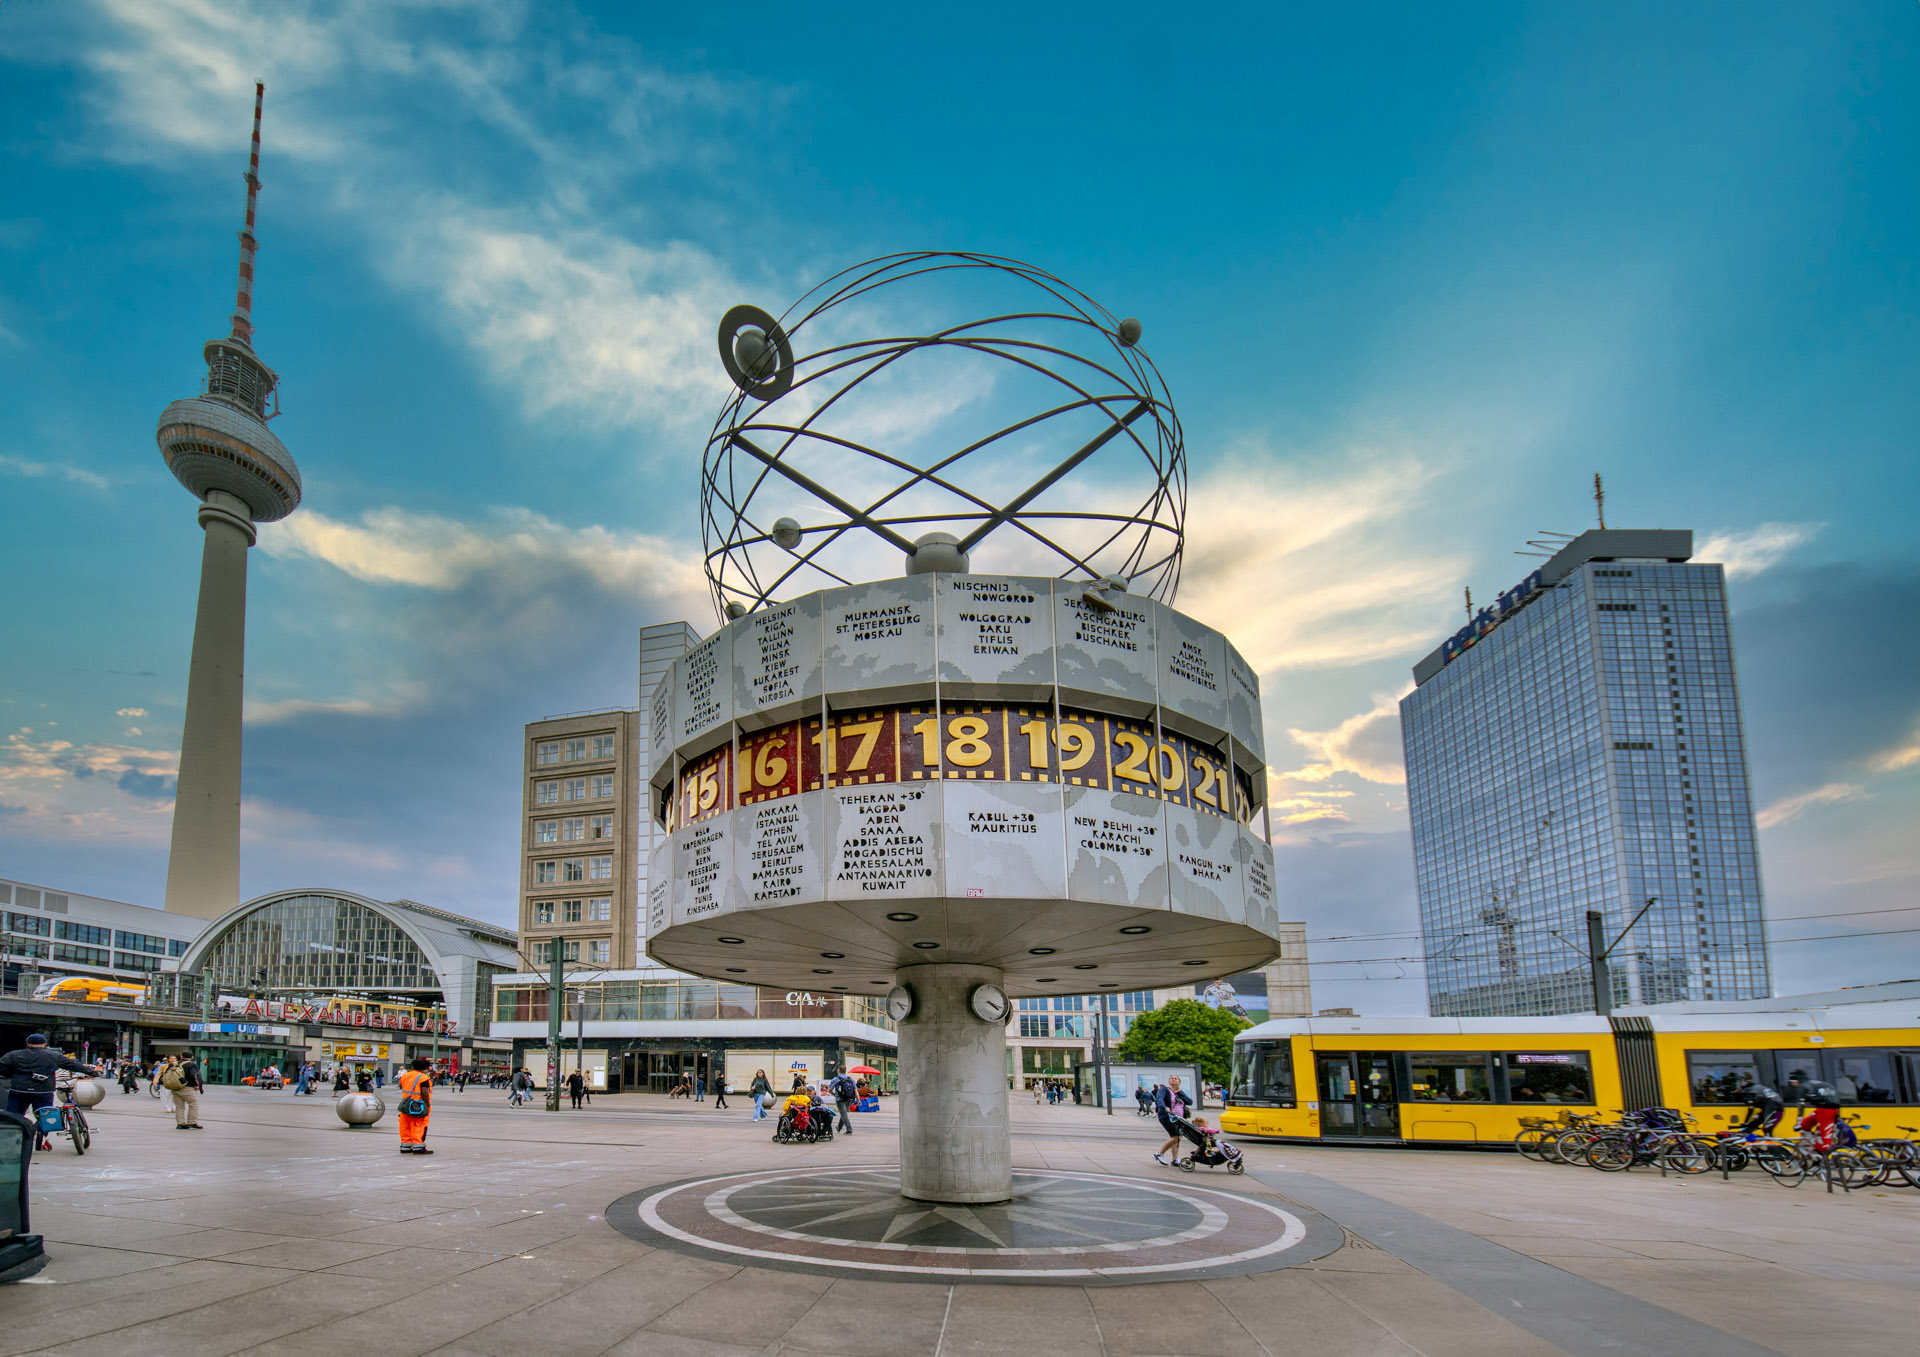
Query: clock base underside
(1040,946)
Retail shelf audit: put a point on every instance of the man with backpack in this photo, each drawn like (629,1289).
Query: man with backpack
(183,1081)
(844,1093)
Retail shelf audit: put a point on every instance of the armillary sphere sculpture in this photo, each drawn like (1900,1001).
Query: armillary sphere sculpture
(957,786)
(800,421)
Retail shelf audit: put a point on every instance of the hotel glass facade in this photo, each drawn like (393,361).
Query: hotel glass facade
(1582,751)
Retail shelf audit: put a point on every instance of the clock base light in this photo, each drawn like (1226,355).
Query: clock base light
(955,1143)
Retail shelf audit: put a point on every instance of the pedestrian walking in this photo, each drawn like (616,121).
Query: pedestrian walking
(700,1089)
(719,1093)
(129,1077)
(184,1082)
(520,1088)
(576,1087)
(379,1076)
(1170,1102)
(340,1077)
(844,1093)
(416,1105)
(761,1091)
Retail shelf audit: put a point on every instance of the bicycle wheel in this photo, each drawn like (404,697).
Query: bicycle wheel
(77,1128)
(1685,1156)
(1570,1147)
(1610,1154)
(1532,1143)
(1782,1163)
(1856,1167)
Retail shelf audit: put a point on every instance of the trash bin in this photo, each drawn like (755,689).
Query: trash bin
(21,1253)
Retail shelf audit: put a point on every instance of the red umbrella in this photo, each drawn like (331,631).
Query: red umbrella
(861,1069)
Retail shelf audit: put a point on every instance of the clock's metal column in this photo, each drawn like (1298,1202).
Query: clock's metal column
(954,1142)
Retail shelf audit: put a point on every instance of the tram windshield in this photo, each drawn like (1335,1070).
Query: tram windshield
(1262,1073)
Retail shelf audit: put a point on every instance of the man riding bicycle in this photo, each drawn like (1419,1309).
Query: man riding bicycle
(1765,1107)
(30,1073)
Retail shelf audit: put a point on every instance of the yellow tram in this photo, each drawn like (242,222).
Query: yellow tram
(1469,1081)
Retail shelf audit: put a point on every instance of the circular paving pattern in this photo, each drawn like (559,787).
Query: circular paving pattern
(1060,1227)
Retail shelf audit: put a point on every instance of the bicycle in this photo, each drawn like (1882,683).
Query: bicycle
(73,1122)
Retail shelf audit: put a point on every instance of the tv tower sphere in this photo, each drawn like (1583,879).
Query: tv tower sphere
(217,445)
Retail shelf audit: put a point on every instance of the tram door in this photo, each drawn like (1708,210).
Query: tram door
(1357,1095)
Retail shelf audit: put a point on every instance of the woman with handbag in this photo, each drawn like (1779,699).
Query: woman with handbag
(416,1105)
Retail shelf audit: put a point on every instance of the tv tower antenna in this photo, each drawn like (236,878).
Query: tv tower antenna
(243,294)
(1599,495)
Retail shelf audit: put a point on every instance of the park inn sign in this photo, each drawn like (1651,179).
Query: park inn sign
(334,1017)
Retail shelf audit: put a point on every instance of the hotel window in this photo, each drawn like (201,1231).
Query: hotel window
(546,831)
(575,870)
(569,911)
(576,789)
(600,908)
(576,750)
(599,953)
(602,785)
(603,746)
(600,827)
(600,869)
(545,793)
(543,952)
(545,873)
(575,829)
(546,752)
(1033,1025)
(543,912)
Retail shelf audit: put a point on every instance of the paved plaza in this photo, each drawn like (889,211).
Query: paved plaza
(277,1230)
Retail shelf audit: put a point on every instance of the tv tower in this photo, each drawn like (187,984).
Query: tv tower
(218,446)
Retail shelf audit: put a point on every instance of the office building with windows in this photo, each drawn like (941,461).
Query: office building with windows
(1578,746)
(579,861)
(48,932)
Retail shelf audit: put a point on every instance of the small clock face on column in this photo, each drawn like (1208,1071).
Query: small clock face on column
(989,1003)
(899,1003)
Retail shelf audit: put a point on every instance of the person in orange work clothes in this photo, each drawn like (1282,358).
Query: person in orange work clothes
(416,1087)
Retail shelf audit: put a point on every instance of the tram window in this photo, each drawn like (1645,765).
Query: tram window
(1864,1076)
(1451,1077)
(1549,1077)
(1262,1072)
(1716,1076)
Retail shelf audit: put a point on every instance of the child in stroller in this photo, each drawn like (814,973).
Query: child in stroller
(804,1120)
(1208,1147)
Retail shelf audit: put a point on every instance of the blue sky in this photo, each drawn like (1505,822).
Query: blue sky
(1413,275)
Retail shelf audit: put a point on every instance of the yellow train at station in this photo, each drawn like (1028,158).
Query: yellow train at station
(1470,1081)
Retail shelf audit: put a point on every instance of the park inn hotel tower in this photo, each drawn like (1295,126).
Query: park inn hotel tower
(1579,746)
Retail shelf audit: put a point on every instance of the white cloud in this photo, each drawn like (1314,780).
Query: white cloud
(1757,549)
(1311,570)
(483,155)
(1791,807)
(131,713)
(22,466)
(1366,745)
(1901,756)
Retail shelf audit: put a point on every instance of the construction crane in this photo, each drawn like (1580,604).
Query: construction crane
(1499,914)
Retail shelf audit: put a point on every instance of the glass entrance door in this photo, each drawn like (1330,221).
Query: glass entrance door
(1357,1095)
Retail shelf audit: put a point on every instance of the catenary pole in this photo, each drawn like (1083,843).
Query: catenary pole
(556,1001)
(1597,962)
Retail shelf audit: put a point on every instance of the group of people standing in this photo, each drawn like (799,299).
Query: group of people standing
(845,1088)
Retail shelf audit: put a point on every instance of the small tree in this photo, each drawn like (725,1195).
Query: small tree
(1185,1032)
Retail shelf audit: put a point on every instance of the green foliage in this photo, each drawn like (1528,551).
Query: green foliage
(1186,1031)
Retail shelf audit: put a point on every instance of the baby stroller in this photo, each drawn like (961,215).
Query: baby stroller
(1209,1148)
(803,1126)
